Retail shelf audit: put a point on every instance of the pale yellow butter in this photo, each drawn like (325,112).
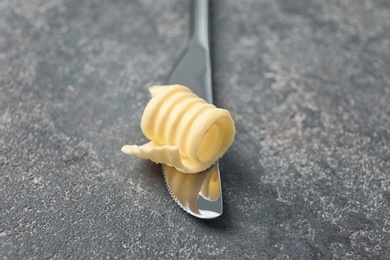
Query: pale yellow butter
(185,131)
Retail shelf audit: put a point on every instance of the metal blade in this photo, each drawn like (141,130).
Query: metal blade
(199,194)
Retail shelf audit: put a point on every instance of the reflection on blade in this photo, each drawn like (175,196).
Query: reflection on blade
(199,194)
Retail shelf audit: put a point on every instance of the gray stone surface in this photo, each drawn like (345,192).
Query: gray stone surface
(306,81)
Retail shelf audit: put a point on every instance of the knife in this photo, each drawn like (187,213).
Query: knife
(198,194)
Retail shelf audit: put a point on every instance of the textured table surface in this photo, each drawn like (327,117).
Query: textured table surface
(307,82)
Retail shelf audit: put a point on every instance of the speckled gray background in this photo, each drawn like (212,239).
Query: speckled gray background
(308,83)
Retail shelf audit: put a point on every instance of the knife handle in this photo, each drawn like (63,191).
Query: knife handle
(199,22)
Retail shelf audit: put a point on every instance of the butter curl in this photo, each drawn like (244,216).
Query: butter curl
(185,131)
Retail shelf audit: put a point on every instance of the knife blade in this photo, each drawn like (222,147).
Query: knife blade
(198,194)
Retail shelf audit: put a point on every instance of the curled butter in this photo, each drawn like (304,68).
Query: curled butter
(185,131)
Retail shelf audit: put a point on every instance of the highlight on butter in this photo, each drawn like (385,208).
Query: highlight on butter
(185,131)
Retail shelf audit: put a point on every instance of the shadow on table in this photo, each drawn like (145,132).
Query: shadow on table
(240,184)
